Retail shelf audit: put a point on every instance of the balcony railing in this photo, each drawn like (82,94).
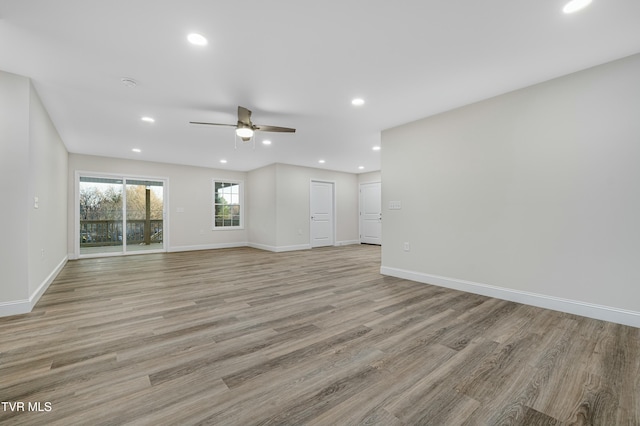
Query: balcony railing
(95,233)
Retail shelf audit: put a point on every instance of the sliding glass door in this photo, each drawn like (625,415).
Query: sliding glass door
(100,215)
(120,215)
(144,214)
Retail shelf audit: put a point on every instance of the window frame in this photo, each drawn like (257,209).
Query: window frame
(240,204)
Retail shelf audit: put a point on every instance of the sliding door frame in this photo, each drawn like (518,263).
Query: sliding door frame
(124,178)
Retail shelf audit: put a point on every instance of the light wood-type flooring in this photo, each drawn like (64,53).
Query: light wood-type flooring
(319,337)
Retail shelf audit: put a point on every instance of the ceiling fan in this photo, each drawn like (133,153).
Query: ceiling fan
(245,128)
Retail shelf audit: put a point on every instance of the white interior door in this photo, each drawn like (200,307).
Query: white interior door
(322,230)
(370,213)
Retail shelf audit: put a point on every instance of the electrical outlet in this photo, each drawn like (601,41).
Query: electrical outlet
(406,246)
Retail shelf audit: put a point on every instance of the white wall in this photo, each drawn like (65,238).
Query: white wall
(261,207)
(279,203)
(48,181)
(531,196)
(33,163)
(293,205)
(14,180)
(370,177)
(190,190)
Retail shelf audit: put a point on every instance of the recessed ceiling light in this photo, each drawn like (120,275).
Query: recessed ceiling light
(136,150)
(197,39)
(357,102)
(223,161)
(376,148)
(266,142)
(321,161)
(575,5)
(361,167)
(148,119)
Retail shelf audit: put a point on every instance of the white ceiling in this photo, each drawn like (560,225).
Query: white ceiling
(294,63)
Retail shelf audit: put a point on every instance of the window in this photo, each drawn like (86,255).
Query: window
(227,204)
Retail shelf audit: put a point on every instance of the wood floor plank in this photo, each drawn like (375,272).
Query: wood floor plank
(484,383)
(403,369)
(410,406)
(246,337)
(254,401)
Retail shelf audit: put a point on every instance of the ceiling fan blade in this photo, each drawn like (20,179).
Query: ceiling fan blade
(244,115)
(212,124)
(274,129)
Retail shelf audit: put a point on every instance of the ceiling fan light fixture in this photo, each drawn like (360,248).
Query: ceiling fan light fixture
(244,132)
(575,5)
(245,129)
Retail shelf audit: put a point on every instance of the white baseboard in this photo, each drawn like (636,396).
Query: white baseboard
(46,283)
(276,249)
(206,247)
(347,242)
(24,306)
(279,249)
(15,307)
(590,310)
(262,247)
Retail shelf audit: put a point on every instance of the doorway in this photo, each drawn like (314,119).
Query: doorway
(119,215)
(370,213)
(322,214)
